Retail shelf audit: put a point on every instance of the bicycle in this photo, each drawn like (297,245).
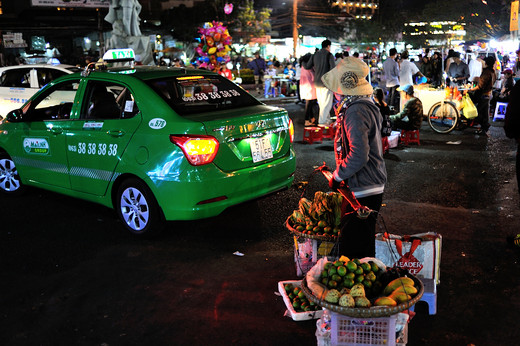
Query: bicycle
(446,116)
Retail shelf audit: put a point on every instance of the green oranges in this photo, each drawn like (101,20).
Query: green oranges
(342,270)
(351,266)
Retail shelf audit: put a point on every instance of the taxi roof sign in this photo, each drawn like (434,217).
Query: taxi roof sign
(115,55)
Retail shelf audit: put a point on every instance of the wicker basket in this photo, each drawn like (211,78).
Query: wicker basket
(374,311)
(330,238)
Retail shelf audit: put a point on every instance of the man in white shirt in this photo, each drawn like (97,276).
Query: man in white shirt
(475,68)
(407,70)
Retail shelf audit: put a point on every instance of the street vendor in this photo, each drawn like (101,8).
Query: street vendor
(458,71)
(359,155)
(410,118)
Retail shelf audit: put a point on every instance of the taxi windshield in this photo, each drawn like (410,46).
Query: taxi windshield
(200,94)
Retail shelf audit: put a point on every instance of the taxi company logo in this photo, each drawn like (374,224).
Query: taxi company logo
(157,123)
(36,146)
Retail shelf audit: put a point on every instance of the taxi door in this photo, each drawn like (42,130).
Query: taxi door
(97,140)
(40,150)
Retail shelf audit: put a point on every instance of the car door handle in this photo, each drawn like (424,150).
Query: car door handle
(116,133)
(56,130)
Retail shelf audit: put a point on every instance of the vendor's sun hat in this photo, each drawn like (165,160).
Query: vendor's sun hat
(408,88)
(348,78)
(507,71)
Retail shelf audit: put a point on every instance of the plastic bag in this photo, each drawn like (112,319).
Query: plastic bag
(468,107)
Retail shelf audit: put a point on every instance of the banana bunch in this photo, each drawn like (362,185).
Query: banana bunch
(322,216)
(398,291)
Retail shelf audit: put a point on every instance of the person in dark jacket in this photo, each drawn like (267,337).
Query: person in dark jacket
(512,125)
(359,154)
(410,118)
(259,68)
(482,94)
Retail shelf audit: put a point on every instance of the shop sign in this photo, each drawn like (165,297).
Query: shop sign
(72,3)
(513,24)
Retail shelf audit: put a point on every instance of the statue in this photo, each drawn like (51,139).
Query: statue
(127,12)
(124,17)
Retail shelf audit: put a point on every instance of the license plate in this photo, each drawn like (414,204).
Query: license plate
(261,149)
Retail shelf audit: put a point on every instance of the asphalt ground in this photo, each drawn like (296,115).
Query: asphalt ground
(70,276)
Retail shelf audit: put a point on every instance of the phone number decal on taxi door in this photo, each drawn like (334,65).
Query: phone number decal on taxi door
(101,149)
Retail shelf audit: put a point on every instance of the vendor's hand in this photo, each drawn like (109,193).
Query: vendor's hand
(334,184)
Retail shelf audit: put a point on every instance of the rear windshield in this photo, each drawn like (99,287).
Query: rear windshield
(200,94)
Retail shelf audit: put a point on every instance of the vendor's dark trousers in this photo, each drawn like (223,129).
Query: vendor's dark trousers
(483,112)
(398,124)
(393,97)
(358,235)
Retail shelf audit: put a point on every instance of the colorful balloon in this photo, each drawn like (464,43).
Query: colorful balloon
(228,8)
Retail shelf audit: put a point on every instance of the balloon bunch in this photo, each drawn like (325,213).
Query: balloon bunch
(214,45)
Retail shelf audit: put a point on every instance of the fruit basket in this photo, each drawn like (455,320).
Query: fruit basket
(304,234)
(291,311)
(374,311)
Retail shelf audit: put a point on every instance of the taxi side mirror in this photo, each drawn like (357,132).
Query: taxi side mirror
(14,116)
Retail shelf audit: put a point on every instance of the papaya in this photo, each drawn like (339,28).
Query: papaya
(400,297)
(408,289)
(396,283)
(385,301)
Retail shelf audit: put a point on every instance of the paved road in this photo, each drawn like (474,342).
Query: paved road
(71,276)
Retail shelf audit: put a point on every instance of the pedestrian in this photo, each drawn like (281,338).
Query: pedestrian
(391,73)
(426,67)
(379,100)
(506,85)
(410,118)
(458,72)
(308,91)
(475,68)
(512,125)
(358,147)
(436,62)
(224,71)
(322,61)
(259,67)
(481,94)
(516,68)
(407,70)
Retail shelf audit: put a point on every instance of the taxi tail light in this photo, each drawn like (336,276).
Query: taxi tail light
(198,149)
(291,130)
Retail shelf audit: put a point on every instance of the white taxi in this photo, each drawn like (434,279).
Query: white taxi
(18,83)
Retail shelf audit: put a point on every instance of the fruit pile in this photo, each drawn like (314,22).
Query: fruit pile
(299,301)
(322,216)
(345,273)
(351,283)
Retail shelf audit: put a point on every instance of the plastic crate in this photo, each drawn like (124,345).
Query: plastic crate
(308,251)
(353,331)
(296,316)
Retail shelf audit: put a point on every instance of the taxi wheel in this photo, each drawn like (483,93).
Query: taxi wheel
(10,182)
(138,208)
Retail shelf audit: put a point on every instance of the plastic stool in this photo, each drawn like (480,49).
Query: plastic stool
(500,111)
(429,296)
(410,136)
(328,131)
(312,134)
(386,145)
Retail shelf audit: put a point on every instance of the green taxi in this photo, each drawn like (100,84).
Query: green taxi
(154,143)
